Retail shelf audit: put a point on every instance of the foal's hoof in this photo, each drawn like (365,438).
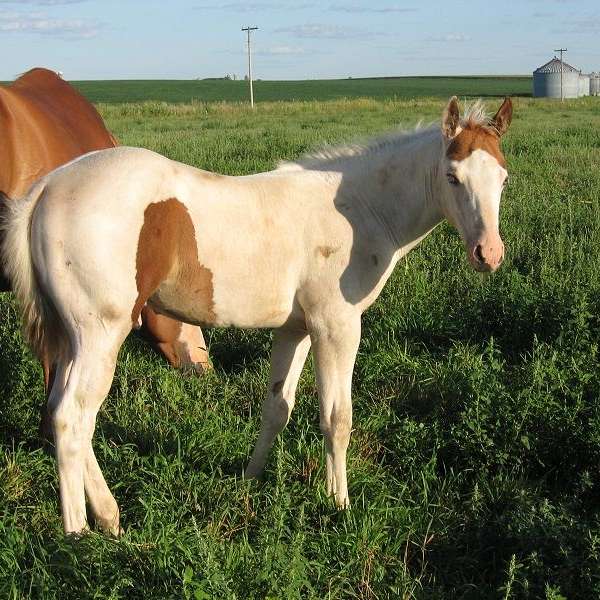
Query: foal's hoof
(78,534)
(110,527)
(342,503)
(112,531)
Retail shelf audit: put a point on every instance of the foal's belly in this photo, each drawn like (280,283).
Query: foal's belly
(246,304)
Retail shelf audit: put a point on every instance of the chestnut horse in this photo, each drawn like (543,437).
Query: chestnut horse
(304,249)
(45,123)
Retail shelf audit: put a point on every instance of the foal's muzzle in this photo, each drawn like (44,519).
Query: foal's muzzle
(487,254)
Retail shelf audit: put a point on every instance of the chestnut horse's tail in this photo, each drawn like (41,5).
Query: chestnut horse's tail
(42,326)
(4,202)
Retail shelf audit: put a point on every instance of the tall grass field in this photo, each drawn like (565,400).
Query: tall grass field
(474,464)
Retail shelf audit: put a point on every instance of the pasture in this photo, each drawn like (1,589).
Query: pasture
(219,90)
(474,461)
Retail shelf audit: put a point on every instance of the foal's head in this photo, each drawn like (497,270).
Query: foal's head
(474,177)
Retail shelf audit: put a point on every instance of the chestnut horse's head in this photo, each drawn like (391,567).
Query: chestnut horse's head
(474,177)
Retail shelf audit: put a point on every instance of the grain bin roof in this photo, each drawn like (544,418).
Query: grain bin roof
(553,66)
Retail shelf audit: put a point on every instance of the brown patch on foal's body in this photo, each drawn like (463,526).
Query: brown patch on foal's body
(167,258)
(476,137)
(326,251)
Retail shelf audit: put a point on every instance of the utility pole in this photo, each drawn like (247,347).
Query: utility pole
(249,29)
(561,50)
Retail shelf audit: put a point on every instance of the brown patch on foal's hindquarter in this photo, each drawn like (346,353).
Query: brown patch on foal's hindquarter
(476,137)
(167,249)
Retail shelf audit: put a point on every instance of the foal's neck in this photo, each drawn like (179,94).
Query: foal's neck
(402,186)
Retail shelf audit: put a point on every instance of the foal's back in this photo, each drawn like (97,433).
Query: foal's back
(201,247)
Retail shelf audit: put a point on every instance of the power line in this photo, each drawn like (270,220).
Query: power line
(561,50)
(249,29)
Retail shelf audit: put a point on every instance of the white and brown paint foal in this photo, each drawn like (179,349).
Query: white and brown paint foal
(304,249)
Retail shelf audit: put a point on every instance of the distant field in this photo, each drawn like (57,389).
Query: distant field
(215,90)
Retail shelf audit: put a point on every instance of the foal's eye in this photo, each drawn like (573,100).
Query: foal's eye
(452,179)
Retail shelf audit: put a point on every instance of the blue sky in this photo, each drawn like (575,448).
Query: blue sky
(104,39)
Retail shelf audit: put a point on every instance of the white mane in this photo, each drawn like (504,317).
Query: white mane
(476,116)
(391,142)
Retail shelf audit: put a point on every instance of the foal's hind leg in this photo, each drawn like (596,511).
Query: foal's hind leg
(74,420)
(102,503)
(290,348)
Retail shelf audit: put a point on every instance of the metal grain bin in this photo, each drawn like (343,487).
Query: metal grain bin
(595,84)
(584,85)
(546,80)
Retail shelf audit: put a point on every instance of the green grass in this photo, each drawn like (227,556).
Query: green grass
(331,89)
(474,464)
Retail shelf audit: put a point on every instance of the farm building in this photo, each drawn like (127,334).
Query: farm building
(584,84)
(595,84)
(546,81)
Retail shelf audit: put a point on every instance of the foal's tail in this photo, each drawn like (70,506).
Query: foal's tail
(41,324)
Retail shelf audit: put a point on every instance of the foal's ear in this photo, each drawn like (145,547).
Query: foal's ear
(503,117)
(451,119)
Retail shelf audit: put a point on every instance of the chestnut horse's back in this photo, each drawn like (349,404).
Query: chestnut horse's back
(44,123)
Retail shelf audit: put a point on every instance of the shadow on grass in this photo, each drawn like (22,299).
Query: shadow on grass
(474,558)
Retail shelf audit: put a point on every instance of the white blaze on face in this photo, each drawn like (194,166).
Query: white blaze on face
(475,206)
(476,174)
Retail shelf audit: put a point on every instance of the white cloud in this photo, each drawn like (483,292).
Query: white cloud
(247,7)
(450,37)
(39,23)
(42,2)
(280,51)
(580,24)
(371,9)
(324,31)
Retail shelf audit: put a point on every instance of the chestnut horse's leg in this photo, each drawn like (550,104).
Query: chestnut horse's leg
(182,344)
(290,347)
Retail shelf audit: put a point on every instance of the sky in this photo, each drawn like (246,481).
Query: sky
(186,39)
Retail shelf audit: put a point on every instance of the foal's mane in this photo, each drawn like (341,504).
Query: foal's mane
(475,116)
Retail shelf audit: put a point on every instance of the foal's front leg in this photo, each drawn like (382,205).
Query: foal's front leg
(290,347)
(335,343)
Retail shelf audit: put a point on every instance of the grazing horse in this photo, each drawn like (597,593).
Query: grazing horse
(304,249)
(45,123)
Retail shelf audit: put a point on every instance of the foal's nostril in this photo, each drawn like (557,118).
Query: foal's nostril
(478,254)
